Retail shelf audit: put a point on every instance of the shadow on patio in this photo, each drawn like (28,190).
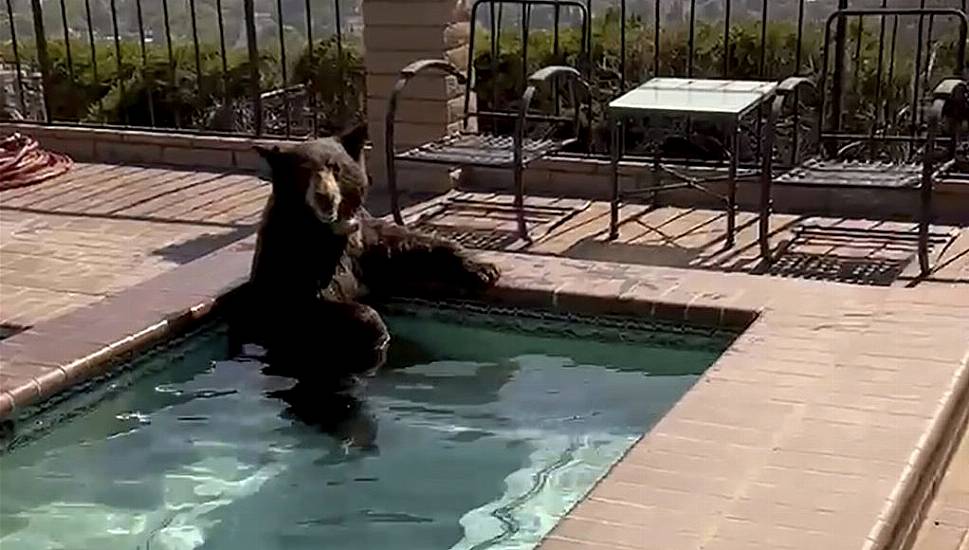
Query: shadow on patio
(854,251)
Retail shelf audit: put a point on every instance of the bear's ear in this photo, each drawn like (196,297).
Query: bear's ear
(353,141)
(270,154)
(276,167)
(270,161)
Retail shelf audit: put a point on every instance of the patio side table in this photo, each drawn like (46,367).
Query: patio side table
(721,101)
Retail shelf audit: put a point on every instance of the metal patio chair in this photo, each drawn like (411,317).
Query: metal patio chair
(469,148)
(918,169)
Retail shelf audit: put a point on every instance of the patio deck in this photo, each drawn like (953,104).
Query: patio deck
(101,228)
(868,252)
(74,240)
(764,452)
(946,525)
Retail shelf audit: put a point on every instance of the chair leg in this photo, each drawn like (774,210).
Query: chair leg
(615,127)
(392,188)
(925,224)
(520,202)
(732,188)
(924,255)
(763,230)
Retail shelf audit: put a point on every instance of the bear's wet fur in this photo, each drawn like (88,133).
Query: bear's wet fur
(345,415)
(320,254)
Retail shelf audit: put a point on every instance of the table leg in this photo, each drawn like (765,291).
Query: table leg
(657,178)
(615,128)
(732,186)
(763,229)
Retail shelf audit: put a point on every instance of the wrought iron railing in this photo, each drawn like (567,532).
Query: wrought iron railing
(279,67)
(888,64)
(293,67)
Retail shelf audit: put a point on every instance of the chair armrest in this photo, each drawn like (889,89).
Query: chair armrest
(946,91)
(787,88)
(406,74)
(545,73)
(440,65)
(539,78)
(948,88)
(792,84)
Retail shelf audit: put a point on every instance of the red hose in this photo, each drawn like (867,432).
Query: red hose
(23,162)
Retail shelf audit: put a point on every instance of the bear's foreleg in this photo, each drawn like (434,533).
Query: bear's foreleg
(398,261)
(329,344)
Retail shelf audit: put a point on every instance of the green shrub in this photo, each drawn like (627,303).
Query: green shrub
(337,80)
(501,89)
(176,93)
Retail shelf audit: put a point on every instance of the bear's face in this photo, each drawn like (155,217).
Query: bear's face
(325,176)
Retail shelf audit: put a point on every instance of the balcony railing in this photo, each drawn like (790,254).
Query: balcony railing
(295,67)
(279,67)
(886,65)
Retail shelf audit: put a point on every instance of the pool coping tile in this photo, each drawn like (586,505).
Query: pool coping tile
(91,339)
(840,317)
(745,437)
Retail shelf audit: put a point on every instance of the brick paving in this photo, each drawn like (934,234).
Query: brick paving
(946,526)
(825,248)
(803,435)
(691,238)
(73,240)
(813,430)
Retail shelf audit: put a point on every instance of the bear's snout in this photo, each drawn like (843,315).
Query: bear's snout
(323,196)
(345,227)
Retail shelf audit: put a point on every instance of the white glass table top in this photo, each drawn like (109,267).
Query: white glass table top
(693,95)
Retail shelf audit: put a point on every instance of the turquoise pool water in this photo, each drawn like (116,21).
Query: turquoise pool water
(493,431)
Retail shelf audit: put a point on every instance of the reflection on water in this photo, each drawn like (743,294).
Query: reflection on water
(483,441)
(345,416)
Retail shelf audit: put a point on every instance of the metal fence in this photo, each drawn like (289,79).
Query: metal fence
(885,65)
(294,67)
(280,67)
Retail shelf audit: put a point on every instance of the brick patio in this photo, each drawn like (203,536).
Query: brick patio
(74,240)
(946,525)
(870,252)
(820,427)
(102,228)
(828,424)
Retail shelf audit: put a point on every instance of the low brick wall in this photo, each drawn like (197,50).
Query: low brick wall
(561,177)
(111,145)
(396,34)
(591,178)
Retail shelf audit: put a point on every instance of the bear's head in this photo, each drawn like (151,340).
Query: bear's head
(327,177)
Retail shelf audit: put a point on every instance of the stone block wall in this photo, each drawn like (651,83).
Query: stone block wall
(397,33)
(149,148)
(558,177)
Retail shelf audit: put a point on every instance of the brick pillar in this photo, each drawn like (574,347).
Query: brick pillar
(397,32)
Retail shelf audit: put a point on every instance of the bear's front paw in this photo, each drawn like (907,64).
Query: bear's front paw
(485,275)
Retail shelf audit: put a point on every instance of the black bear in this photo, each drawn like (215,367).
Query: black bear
(319,252)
